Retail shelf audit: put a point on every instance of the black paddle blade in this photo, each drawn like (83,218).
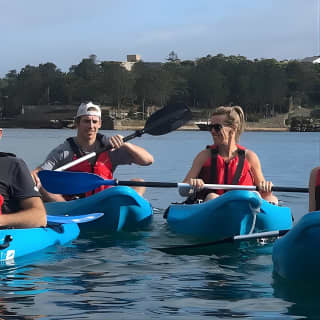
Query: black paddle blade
(168,119)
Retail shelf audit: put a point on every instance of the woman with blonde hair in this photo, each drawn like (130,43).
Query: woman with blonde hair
(226,162)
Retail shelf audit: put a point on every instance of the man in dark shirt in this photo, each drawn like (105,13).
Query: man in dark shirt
(22,207)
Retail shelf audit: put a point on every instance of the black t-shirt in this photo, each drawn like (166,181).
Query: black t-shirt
(16,182)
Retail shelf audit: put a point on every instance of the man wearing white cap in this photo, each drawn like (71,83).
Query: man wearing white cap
(88,123)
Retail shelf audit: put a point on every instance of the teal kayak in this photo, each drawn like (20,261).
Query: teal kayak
(296,256)
(236,212)
(15,243)
(123,208)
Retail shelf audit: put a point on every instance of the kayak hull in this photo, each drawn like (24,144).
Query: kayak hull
(296,256)
(28,241)
(123,208)
(231,214)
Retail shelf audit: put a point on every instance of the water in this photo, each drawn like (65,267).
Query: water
(121,277)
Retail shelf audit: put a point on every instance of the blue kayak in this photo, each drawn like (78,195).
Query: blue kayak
(296,256)
(234,213)
(123,208)
(15,243)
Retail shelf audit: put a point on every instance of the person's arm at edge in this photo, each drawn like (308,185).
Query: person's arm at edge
(32,215)
(312,189)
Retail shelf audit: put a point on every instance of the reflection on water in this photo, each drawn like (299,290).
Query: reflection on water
(304,298)
(121,276)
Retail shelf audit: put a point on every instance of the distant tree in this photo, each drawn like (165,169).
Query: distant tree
(172,57)
(12,75)
(295,78)
(314,88)
(301,79)
(268,86)
(209,83)
(177,83)
(116,82)
(261,86)
(145,89)
(83,80)
(53,84)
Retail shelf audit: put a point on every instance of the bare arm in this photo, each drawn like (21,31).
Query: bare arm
(34,175)
(140,156)
(255,167)
(192,176)
(259,180)
(32,215)
(312,189)
(197,164)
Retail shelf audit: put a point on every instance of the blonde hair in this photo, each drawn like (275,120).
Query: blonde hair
(234,118)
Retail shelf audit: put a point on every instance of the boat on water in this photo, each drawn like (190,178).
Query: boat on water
(236,212)
(296,256)
(124,210)
(202,125)
(15,243)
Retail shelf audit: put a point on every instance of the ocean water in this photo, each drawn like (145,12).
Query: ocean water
(121,277)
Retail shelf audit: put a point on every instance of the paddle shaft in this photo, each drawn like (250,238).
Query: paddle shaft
(80,182)
(206,186)
(138,133)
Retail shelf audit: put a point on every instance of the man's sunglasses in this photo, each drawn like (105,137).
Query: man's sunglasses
(216,126)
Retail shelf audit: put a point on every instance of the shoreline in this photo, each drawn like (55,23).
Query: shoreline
(195,128)
(267,129)
(134,128)
(122,126)
(247,129)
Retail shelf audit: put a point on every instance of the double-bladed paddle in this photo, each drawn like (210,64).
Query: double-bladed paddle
(196,248)
(163,121)
(80,182)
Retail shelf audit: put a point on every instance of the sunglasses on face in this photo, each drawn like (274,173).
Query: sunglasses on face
(216,126)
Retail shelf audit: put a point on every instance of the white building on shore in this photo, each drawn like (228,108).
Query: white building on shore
(315,59)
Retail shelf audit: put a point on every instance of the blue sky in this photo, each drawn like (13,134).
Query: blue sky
(66,31)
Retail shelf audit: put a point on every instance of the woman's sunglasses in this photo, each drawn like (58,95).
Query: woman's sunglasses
(216,126)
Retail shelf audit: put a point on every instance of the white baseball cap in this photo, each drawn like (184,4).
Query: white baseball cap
(83,110)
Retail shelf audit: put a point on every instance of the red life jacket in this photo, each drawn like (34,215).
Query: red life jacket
(217,171)
(101,166)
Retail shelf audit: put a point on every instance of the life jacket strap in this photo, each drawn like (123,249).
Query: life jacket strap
(237,174)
